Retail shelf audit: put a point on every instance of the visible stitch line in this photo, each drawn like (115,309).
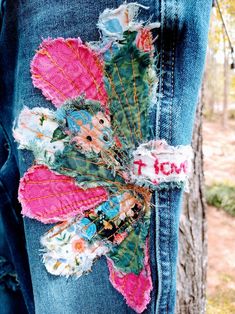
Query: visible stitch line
(172,73)
(114,90)
(136,102)
(159,274)
(161,89)
(39,76)
(170,137)
(115,183)
(156,200)
(86,202)
(124,92)
(168,249)
(65,75)
(51,195)
(158,135)
(51,180)
(171,133)
(98,86)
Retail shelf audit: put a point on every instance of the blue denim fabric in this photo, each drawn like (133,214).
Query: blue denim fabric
(181,46)
(12,239)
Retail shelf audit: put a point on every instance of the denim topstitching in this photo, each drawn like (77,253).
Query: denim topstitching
(164,294)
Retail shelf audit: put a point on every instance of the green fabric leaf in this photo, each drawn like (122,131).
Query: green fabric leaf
(82,103)
(127,85)
(88,172)
(128,257)
(58,134)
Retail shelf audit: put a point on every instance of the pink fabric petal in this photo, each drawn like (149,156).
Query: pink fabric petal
(50,197)
(135,288)
(66,68)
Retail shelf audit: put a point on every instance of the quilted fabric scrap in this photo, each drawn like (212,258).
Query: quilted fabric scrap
(50,197)
(96,164)
(135,288)
(156,162)
(62,78)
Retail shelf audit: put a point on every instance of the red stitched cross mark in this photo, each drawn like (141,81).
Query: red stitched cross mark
(140,164)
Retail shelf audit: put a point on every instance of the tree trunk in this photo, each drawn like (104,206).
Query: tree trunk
(191,284)
(225,100)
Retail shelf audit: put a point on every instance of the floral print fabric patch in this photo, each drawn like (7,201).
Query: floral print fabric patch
(95,163)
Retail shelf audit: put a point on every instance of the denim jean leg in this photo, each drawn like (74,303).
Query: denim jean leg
(182,49)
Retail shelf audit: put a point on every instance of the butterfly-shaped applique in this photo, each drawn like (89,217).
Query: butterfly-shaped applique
(94,157)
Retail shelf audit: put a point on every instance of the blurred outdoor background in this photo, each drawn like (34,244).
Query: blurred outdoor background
(218,96)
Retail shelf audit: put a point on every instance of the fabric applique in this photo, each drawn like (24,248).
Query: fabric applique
(96,165)
(156,162)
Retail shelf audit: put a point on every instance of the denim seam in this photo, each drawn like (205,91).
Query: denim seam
(171,129)
(172,76)
(162,92)
(10,154)
(169,257)
(156,214)
(159,276)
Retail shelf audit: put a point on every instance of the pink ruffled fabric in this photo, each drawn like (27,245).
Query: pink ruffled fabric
(50,197)
(136,289)
(65,68)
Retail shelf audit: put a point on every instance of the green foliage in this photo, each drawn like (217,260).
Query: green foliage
(231,114)
(222,196)
(222,302)
(209,115)
(214,88)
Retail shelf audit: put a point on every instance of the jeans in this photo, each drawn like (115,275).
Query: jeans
(181,44)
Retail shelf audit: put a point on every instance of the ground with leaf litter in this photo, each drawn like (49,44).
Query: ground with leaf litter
(219,166)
